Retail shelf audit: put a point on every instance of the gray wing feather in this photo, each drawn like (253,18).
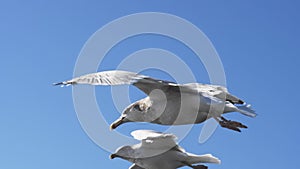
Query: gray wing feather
(217,91)
(119,77)
(114,77)
(134,166)
(155,140)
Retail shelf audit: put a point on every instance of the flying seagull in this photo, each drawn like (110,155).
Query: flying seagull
(169,103)
(158,150)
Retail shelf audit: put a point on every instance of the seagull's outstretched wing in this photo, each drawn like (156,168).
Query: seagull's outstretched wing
(217,91)
(134,166)
(119,77)
(113,77)
(156,140)
(206,158)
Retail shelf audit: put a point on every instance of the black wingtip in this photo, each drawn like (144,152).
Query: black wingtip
(199,167)
(241,102)
(58,84)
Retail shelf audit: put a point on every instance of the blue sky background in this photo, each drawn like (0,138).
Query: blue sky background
(258,43)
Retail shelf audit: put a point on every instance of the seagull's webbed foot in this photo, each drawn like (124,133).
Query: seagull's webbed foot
(233,125)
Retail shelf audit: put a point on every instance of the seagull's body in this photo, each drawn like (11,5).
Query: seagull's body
(158,150)
(169,103)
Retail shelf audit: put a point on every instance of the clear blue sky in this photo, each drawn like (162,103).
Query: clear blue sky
(258,43)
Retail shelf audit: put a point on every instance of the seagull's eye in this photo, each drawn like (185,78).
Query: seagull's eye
(137,107)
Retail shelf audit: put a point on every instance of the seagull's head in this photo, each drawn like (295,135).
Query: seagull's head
(135,112)
(124,152)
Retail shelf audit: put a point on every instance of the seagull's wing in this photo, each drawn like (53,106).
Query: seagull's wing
(156,140)
(217,91)
(144,134)
(134,166)
(119,77)
(113,77)
(206,158)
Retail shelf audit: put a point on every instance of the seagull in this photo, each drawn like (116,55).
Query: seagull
(159,150)
(169,103)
